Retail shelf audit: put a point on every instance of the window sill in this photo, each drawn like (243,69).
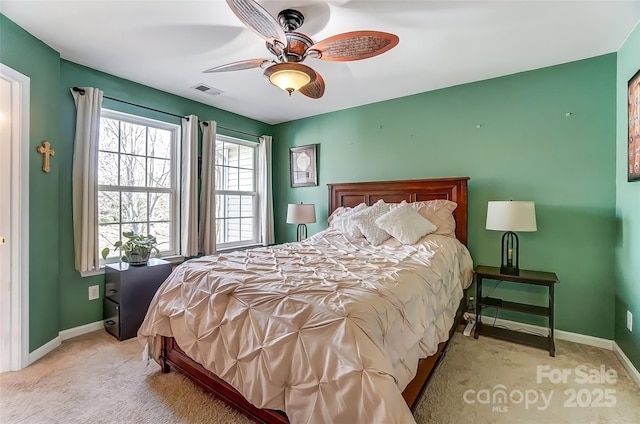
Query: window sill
(233,249)
(175,259)
(92,273)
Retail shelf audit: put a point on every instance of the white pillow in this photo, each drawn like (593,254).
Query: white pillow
(366,222)
(405,224)
(438,211)
(344,223)
(341,210)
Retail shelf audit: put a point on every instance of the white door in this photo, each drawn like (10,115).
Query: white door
(5,222)
(14,192)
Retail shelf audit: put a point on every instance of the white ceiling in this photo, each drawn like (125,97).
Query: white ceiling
(166,44)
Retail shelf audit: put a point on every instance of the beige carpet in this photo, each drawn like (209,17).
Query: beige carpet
(96,379)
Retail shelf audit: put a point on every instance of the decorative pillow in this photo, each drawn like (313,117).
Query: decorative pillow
(366,222)
(405,224)
(440,213)
(391,242)
(343,222)
(337,213)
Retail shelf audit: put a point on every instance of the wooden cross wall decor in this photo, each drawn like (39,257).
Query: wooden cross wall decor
(46,151)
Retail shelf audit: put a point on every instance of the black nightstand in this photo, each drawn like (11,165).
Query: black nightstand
(539,278)
(128,293)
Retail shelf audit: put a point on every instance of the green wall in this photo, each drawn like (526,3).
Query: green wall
(58,295)
(525,149)
(75,308)
(627,296)
(29,56)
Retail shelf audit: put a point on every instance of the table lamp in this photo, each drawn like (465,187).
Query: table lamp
(301,214)
(511,216)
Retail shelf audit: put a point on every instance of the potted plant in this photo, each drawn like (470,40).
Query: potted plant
(136,248)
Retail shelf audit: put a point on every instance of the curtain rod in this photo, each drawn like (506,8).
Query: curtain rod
(81,91)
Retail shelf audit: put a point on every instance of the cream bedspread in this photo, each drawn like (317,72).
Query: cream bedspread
(327,330)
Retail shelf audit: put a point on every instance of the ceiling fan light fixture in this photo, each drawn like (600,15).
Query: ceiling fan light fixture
(291,48)
(290,76)
(290,80)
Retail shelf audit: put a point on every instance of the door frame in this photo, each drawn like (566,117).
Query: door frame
(19,234)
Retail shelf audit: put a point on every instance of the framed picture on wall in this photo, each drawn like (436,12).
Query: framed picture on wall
(633,165)
(302,163)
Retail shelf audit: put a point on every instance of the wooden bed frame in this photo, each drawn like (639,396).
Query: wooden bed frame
(346,194)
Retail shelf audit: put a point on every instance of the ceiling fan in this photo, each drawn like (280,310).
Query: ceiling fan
(291,48)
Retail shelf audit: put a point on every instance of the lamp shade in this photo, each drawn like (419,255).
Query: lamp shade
(299,213)
(290,76)
(511,216)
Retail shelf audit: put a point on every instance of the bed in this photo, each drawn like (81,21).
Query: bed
(331,367)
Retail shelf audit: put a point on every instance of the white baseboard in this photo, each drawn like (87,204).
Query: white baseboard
(79,331)
(44,349)
(584,339)
(633,372)
(559,334)
(573,337)
(62,336)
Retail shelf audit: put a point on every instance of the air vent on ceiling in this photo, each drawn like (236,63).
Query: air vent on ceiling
(206,89)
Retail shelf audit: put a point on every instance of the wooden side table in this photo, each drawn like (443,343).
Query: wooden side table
(539,278)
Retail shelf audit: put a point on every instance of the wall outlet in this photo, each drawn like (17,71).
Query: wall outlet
(94,292)
(629,321)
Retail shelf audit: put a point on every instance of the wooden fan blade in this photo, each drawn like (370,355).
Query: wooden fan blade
(256,18)
(240,65)
(354,45)
(315,89)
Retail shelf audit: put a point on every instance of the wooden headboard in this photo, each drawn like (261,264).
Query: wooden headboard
(454,189)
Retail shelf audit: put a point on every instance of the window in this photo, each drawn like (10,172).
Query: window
(236,195)
(137,181)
